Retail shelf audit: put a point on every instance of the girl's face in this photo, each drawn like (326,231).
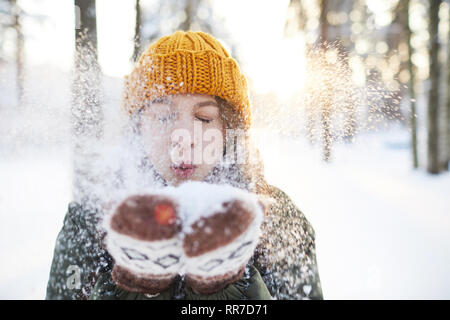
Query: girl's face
(184,135)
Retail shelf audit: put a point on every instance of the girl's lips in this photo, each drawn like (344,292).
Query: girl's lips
(183,170)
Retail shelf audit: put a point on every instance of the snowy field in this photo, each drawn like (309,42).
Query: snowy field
(34,193)
(383,230)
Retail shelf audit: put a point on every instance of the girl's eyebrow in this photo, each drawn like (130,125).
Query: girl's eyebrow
(206,103)
(162,100)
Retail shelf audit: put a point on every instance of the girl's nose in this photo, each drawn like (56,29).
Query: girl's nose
(182,151)
(191,131)
(181,144)
(186,139)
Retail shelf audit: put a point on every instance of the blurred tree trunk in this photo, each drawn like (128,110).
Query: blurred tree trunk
(323,20)
(137,32)
(299,19)
(187,23)
(297,23)
(17,25)
(86,108)
(433,165)
(327,103)
(340,35)
(448,102)
(404,7)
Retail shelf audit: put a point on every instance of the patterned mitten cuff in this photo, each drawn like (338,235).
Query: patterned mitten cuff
(142,237)
(218,245)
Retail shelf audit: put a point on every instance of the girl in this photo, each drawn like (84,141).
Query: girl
(187,83)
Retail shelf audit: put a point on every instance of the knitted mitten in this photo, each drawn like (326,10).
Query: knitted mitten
(142,237)
(208,234)
(218,245)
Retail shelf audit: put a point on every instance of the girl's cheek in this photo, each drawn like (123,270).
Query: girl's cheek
(155,142)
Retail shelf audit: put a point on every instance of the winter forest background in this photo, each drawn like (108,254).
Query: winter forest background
(351,112)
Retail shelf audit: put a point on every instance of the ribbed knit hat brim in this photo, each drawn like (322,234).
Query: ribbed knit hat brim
(187,62)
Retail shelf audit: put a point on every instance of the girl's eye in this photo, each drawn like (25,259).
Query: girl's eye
(204,120)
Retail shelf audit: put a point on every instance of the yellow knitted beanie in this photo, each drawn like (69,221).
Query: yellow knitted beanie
(187,62)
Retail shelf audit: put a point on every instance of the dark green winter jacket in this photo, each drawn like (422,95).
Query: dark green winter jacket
(283,265)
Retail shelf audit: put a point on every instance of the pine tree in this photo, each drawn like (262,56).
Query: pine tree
(137,32)
(404,14)
(433,165)
(447,122)
(326,103)
(11,18)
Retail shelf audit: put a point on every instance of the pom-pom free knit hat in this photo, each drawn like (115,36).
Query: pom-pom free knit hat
(187,62)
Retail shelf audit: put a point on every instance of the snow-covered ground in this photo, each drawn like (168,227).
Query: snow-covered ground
(383,230)
(35,189)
